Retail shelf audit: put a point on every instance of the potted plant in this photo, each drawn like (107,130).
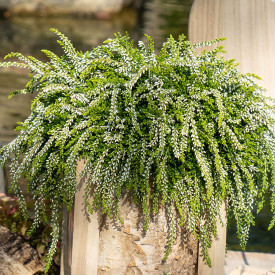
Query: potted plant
(179,131)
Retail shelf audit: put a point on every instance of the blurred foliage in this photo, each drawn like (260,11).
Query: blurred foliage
(260,239)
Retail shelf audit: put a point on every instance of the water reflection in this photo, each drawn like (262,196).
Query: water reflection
(165,17)
(12,111)
(30,35)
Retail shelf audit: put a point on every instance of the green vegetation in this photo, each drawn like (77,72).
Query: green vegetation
(181,129)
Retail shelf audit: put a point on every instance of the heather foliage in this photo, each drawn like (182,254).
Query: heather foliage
(181,129)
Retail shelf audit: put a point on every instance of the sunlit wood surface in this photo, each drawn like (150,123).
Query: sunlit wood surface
(249,26)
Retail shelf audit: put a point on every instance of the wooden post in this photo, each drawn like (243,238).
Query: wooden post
(80,237)
(249,28)
(216,252)
(85,235)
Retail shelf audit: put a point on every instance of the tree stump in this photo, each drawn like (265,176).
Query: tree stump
(99,245)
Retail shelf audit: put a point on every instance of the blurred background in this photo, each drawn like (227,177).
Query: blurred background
(249,26)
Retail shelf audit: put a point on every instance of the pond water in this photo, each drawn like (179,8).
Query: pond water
(159,19)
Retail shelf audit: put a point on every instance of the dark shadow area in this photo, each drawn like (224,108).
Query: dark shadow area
(260,238)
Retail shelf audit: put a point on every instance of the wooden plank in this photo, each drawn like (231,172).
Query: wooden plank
(85,235)
(216,252)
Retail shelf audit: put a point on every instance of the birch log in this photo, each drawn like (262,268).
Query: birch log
(103,246)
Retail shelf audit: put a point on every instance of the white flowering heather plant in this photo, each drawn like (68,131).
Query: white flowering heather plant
(181,129)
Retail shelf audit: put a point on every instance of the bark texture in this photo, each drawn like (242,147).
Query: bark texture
(16,255)
(96,244)
(127,249)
